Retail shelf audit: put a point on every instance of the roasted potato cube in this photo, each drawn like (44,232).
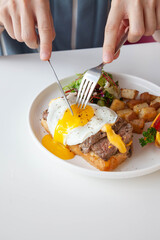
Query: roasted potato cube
(148,114)
(138,125)
(147,97)
(130,116)
(129,93)
(122,113)
(117,105)
(138,107)
(155,103)
(158,110)
(133,102)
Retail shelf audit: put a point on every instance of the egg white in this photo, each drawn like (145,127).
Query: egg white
(102,115)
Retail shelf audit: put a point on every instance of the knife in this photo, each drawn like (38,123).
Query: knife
(57,79)
(59,84)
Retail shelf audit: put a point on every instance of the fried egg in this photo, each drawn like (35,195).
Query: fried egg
(68,129)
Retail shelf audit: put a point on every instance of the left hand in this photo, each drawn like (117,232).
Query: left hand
(20,18)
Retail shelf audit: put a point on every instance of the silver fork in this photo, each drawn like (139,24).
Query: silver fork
(92,76)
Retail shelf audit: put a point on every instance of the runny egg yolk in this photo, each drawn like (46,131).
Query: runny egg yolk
(56,148)
(68,122)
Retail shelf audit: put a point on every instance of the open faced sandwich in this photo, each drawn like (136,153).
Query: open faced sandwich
(95,133)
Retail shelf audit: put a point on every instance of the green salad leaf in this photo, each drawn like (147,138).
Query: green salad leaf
(103,94)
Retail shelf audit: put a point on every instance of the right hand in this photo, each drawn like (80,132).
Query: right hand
(142,17)
(19,17)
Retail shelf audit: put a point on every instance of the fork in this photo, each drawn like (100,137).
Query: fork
(92,76)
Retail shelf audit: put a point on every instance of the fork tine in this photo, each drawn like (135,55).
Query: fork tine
(83,92)
(80,89)
(86,93)
(89,94)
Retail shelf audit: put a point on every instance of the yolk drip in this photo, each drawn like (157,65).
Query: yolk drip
(114,138)
(56,148)
(69,121)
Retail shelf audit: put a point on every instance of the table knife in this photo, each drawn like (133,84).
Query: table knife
(60,86)
(57,79)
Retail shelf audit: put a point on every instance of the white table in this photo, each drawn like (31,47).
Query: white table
(39,199)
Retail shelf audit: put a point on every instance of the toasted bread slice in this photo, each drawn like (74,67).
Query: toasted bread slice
(103,165)
(99,163)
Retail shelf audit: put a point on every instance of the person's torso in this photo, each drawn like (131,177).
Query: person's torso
(78,24)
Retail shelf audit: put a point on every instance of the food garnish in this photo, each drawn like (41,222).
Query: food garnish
(152,134)
(148,136)
(104,93)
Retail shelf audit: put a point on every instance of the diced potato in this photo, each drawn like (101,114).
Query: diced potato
(148,114)
(158,110)
(122,113)
(138,125)
(138,107)
(129,93)
(155,103)
(117,105)
(147,97)
(133,102)
(130,116)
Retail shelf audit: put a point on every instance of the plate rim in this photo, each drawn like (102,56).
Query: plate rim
(89,172)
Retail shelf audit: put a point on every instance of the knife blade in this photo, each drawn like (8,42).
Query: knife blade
(60,86)
(57,79)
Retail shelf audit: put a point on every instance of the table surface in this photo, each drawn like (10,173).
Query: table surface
(41,200)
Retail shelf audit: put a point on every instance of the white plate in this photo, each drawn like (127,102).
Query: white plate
(143,161)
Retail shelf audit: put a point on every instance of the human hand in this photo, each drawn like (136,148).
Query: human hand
(156,35)
(142,17)
(19,17)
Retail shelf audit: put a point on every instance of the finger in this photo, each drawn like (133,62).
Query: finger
(7,23)
(117,54)
(17,28)
(45,32)
(136,23)
(111,33)
(29,35)
(14,13)
(158,15)
(53,29)
(149,18)
(121,31)
(156,35)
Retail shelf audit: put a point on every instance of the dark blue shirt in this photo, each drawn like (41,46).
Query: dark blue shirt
(91,16)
